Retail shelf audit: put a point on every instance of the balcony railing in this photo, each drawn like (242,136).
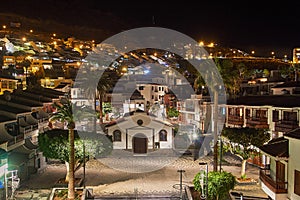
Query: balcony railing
(257,123)
(28,129)
(235,120)
(15,140)
(275,186)
(285,126)
(42,120)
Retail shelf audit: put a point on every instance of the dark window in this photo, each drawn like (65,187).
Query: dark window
(289,116)
(247,113)
(275,116)
(297,183)
(163,135)
(140,122)
(117,136)
(141,87)
(38,163)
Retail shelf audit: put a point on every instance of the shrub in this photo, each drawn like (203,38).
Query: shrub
(219,184)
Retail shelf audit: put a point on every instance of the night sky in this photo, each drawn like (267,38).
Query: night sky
(247,25)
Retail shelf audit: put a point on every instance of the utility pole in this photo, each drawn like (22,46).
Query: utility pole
(216,99)
(84,164)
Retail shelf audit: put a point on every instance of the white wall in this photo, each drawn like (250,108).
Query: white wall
(294,164)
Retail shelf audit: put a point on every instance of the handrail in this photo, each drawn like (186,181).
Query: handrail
(276,186)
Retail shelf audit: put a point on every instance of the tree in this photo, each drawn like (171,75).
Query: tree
(172,112)
(54,144)
(25,64)
(244,141)
(64,113)
(232,74)
(104,84)
(219,184)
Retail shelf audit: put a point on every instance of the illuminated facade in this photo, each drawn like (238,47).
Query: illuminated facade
(296,55)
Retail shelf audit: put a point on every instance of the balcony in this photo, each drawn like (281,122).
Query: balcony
(257,123)
(278,187)
(235,120)
(285,125)
(13,143)
(28,129)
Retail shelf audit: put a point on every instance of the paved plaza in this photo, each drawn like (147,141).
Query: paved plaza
(125,175)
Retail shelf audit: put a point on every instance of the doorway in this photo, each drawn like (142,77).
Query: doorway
(140,143)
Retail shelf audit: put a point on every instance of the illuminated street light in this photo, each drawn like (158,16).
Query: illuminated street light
(4,26)
(54,34)
(252,52)
(31,31)
(273,54)
(24,39)
(201,43)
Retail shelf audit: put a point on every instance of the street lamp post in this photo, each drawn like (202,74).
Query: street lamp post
(83,164)
(215,120)
(180,182)
(206,179)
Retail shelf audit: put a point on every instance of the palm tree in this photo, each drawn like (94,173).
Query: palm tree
(64,113)
(104,84)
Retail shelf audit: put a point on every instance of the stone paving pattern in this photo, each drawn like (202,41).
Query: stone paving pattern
(109,182)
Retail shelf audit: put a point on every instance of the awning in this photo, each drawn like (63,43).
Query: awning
(277,148)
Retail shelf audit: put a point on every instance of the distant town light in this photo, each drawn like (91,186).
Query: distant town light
(201,43)
(24,39)
(252,52)
(54,34)
(211,44)
(4,26)
(31,31)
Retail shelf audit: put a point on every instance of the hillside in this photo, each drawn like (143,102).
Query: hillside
(45,27)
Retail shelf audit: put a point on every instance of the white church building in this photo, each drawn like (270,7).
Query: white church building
(141,133)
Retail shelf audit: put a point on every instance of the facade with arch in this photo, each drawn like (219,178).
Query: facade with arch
(140,132)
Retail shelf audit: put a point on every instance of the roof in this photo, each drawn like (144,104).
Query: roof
(4,118)
(293,134)
(61,85)
(278,148)
(13,109)
(22,101)
(132,113)
(35,97)
(136,95)
(287,101)
(45,92)
(288,84)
